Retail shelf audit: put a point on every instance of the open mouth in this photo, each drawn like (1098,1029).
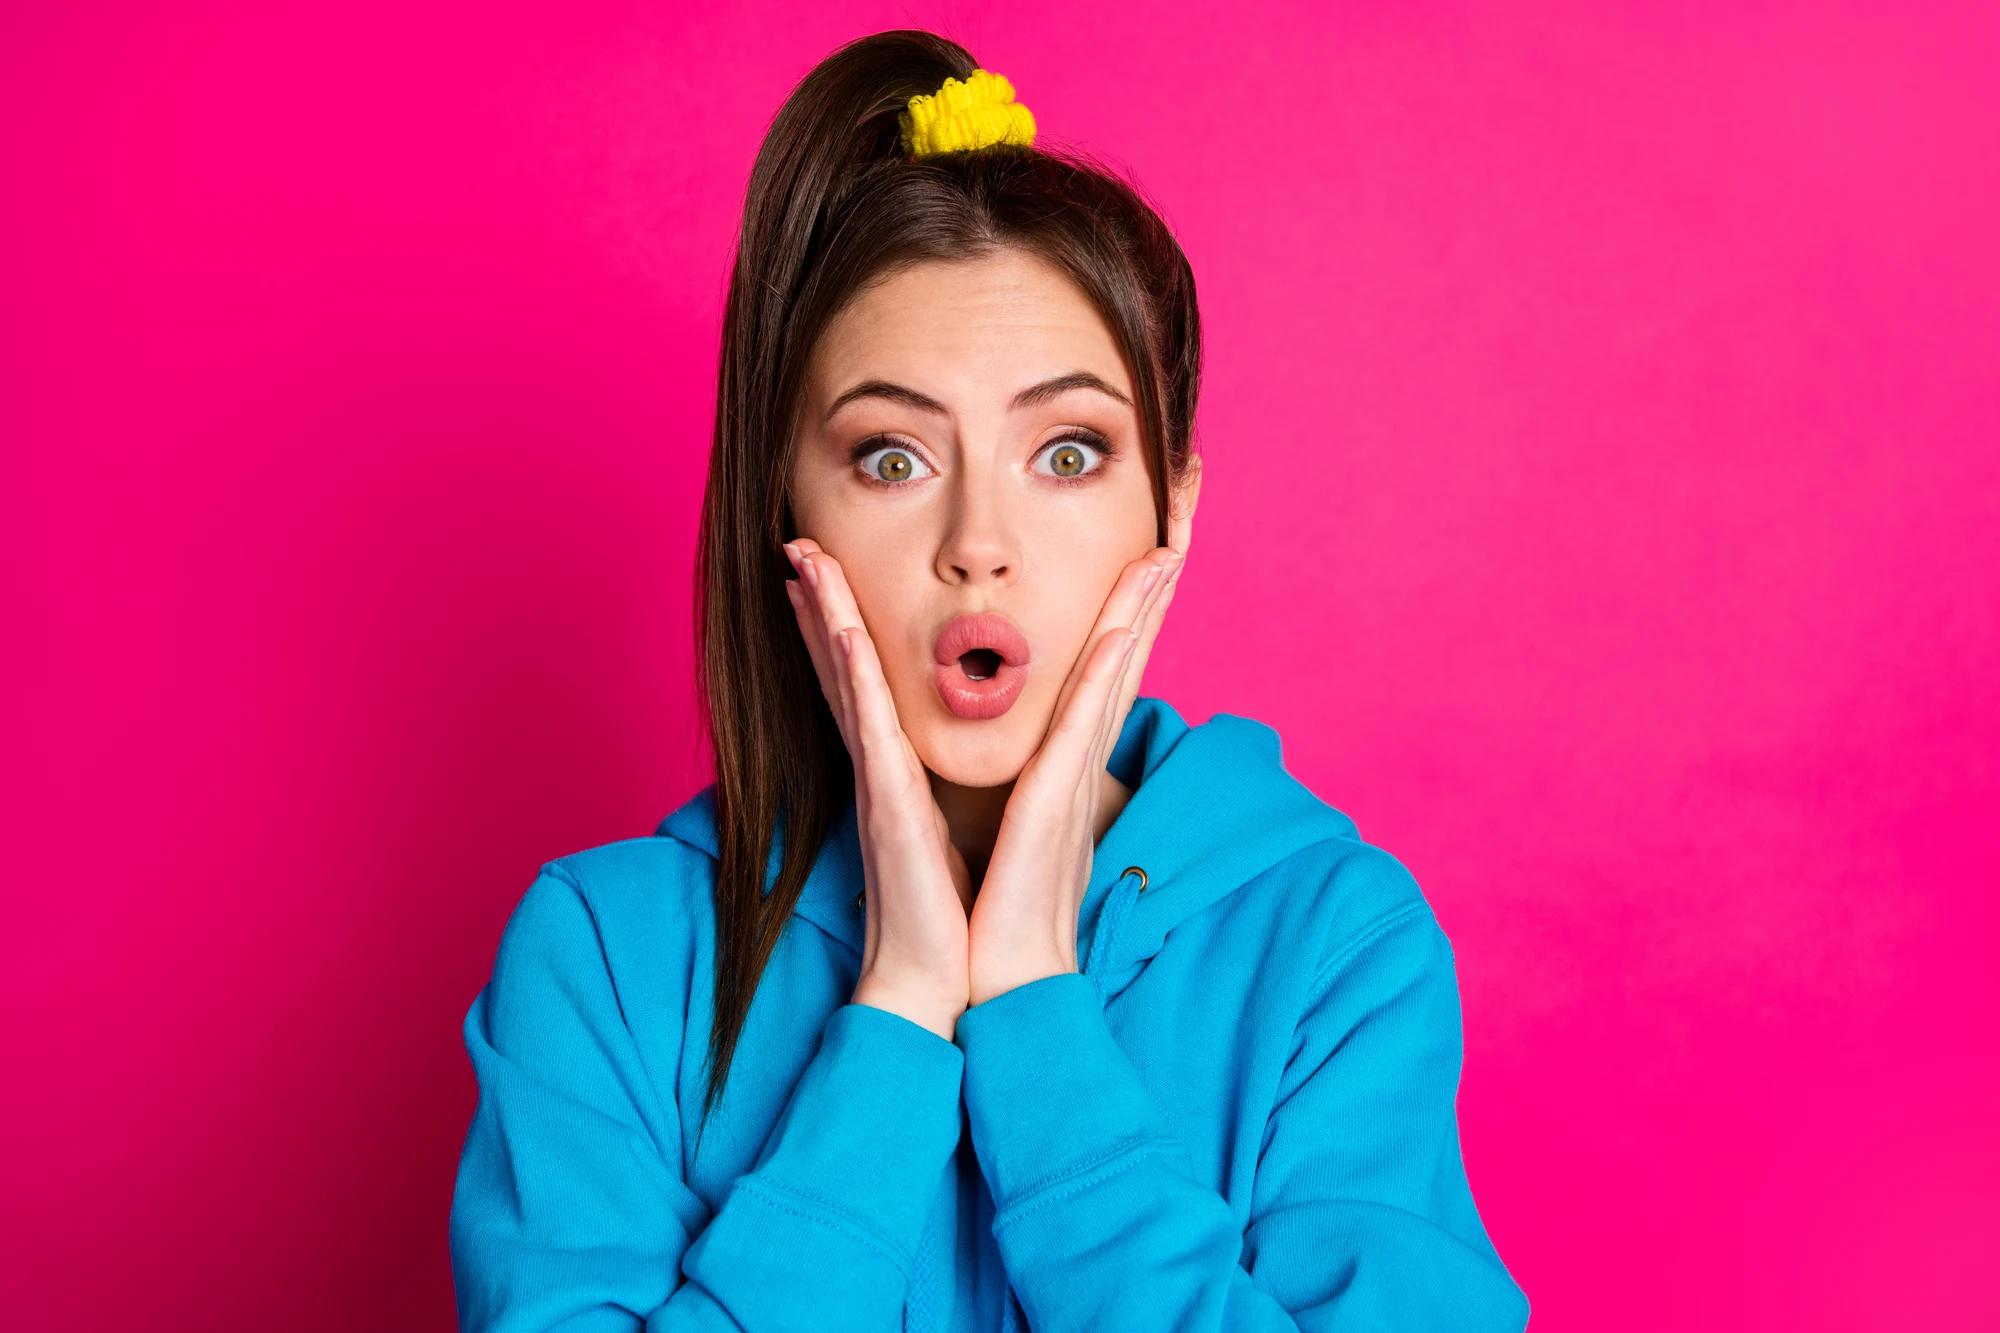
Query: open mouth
(980,665)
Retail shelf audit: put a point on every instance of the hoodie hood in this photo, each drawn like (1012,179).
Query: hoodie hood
(1212,808)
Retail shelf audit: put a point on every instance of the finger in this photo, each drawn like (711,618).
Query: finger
(1147,618)
(1137,584)
(840,617)
(890,774)
(1134,670)
(828,583)
(1112,713)
(807,620)
(1147,623)
(811,563)
(874,709)
(877,729)
(843,675)
(1157,565)
(837,611)
(835,682)
(1142,622)
(1180,535)
(1118,700)
(1074,734)
(812,629)
(1121,608)
(808,585)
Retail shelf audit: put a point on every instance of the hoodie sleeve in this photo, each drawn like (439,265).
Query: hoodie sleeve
(1360,1216)
(571,1211)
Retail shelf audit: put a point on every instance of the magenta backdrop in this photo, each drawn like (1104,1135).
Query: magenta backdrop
(1602,501)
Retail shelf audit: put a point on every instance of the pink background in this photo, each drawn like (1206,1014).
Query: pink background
(1602,501)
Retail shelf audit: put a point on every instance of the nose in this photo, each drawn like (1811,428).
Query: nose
(980,544)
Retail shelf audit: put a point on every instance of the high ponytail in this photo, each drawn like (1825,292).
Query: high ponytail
(833,201)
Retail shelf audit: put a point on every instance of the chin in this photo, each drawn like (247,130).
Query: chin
(987,753)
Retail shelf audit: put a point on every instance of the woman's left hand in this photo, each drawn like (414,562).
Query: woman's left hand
(1023,922)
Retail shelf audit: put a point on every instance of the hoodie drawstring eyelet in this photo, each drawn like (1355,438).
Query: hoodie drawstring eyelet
(1111,921)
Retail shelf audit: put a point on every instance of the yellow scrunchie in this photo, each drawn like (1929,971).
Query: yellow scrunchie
(960,117)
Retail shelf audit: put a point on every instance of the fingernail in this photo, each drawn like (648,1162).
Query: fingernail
(1131,639)
(793,595)
(846,644)
(1152,577)
(808,573)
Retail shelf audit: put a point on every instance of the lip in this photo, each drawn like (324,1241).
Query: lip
(977,700)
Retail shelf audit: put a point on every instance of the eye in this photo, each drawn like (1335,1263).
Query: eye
(893,464)
(1072,456)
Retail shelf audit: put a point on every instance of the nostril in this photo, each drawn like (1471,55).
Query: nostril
(974,571)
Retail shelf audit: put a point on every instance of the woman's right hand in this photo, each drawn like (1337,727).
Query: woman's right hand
(915,960)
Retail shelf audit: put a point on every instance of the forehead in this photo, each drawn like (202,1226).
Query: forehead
(959,329)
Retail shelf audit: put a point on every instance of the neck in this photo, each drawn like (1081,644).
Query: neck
(973,815)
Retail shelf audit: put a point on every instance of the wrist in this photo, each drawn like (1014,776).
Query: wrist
(927,1006)
(1018,972)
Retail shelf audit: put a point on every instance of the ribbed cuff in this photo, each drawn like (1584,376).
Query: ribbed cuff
(1049,1091)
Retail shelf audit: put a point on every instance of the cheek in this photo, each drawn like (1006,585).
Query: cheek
(882,586)
(887,565)
(1076,561)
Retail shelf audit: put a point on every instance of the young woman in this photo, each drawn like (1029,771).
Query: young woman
(977,992)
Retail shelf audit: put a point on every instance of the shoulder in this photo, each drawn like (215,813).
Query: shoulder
(651,895)
(1222,797)
(1348,890)
(1360,893)
(1381,960)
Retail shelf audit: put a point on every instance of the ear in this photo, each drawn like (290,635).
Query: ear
(1181,500)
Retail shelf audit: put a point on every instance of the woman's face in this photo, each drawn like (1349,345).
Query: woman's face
(969,453)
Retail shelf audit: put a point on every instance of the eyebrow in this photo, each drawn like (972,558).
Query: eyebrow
(1062,384)
(895,393)
(1028,397)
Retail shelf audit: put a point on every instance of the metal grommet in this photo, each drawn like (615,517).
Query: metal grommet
(860,898)
(1140,871)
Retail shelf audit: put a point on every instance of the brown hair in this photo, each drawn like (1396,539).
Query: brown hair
(834,202)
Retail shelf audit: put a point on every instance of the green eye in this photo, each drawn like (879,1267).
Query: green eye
(1070,458)
(894,465)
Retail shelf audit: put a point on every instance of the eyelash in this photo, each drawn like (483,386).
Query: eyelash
(876,444)
(1089,439)
(1082,435)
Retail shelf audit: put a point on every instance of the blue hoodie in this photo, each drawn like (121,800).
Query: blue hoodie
(1238,1115)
